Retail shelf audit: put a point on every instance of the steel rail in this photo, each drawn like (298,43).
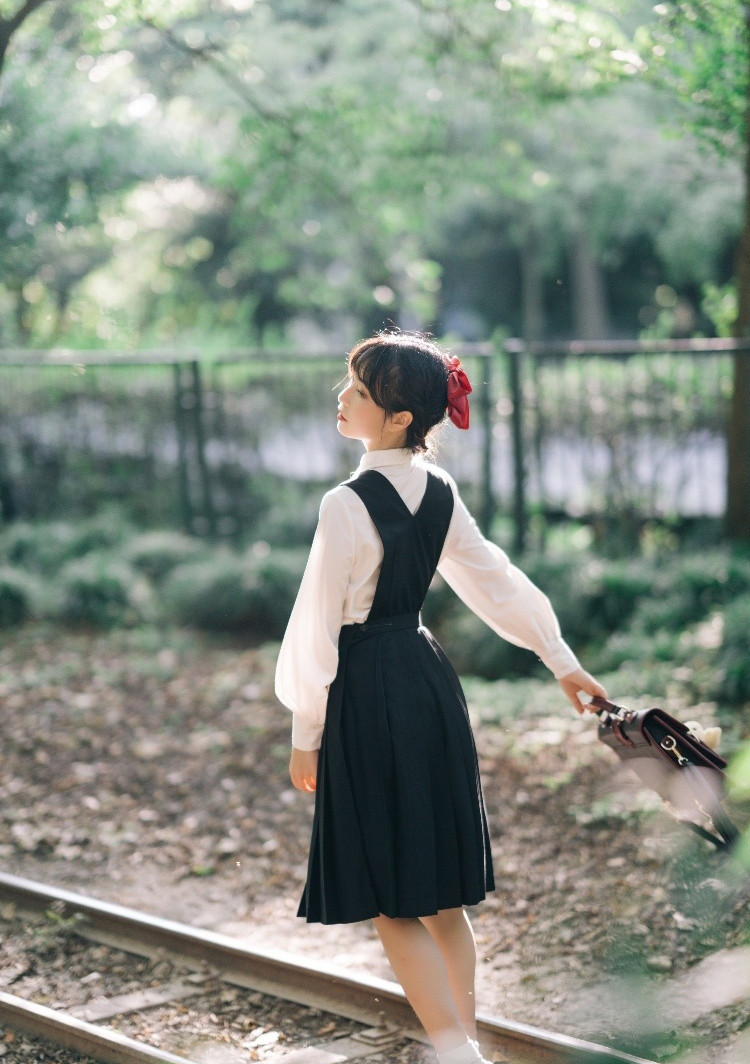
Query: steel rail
(101,1043)
(365,999)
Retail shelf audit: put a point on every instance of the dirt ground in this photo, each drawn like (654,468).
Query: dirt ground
(149,768)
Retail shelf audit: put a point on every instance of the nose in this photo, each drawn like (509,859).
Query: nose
(344,391)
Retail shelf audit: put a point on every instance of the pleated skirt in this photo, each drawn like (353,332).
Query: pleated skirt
(400,826)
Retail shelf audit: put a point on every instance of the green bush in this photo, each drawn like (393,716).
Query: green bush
(570,582)
(475,650)
(612,591)
(232,592)
(591,597)
(102,591)
(668,613)
(156,554)
(36,547)
(105,531)
(287,526)
(733,657)
(18,596)
(632,648)
(709,579)
(44,546)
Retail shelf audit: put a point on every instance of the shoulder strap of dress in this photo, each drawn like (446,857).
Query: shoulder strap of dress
(382,501)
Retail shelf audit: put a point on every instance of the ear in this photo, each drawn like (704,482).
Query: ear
(402,419)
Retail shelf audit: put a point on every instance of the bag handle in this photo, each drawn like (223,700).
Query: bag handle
(604,706)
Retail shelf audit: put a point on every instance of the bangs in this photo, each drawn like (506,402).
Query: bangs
(377,367)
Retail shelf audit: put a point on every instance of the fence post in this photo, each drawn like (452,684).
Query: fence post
(514,350)
(182,469)
(487,511)
(200,447)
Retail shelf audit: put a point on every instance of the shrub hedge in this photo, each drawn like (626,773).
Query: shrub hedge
(156,554)
(251,592)
(103,591)
(99,572)
(733,658)
(19,596)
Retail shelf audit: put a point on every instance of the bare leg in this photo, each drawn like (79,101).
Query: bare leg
(452,933)
(419,967)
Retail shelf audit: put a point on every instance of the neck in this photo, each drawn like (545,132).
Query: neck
(386,443)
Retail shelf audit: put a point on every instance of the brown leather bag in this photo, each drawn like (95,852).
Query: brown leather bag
(665,754)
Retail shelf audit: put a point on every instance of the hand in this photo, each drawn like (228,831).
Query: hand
(580,680)
(303,769)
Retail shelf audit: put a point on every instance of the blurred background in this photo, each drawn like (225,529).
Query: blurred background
(203,205)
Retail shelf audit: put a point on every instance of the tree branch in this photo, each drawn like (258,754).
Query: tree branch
(208,56)
(8,26)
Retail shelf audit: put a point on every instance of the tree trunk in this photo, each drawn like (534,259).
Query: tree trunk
(590,316)
(738,429)
(8,26)
(532,297)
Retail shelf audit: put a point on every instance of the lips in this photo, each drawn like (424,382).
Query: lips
(341,417)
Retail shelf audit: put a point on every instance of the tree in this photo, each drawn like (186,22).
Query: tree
(696,50)
(738,438)
(12,22)
(704,48)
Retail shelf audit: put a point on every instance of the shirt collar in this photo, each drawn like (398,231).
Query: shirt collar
(391,456)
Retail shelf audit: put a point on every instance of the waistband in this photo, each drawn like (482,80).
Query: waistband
(385,624)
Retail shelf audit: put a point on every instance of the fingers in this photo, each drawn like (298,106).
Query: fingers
(303,770)
(585,694)
(302,782)
(580,704)
(307,785)
(579,688)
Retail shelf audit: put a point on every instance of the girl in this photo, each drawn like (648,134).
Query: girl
(380,730)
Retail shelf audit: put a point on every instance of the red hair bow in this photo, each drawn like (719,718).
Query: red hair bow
(458,389)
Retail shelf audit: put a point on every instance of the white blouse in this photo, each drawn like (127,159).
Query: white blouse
(339,581)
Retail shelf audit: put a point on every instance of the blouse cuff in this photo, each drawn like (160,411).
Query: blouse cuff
(560,659)
(306,734)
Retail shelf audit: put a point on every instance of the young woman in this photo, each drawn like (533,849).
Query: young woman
(381,731)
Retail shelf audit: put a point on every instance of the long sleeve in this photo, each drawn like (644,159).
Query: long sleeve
(500,594)
(308,658)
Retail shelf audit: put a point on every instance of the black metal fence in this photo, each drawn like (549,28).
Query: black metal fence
(209,444)
(633,431)
(618,432)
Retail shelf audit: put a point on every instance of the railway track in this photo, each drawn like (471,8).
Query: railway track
(381,1017)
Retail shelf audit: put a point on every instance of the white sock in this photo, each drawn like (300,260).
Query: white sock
(465,1054)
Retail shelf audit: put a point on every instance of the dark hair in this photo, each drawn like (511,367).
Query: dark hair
(405,371)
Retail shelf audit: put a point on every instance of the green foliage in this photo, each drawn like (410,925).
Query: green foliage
(102,591)
(720,306)
(38,547)
(251,593)
(285,527)
(106,531)
(48,939)
(700,50)
(475,650)
(18,595)
(156,554)
(42,547)
(733,659)
(592,598)
(738,774)
(59,164)
(617,612)
(223,173)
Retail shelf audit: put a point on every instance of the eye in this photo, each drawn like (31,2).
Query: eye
(352,380)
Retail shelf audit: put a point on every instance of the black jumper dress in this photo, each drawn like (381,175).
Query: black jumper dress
(400,826)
